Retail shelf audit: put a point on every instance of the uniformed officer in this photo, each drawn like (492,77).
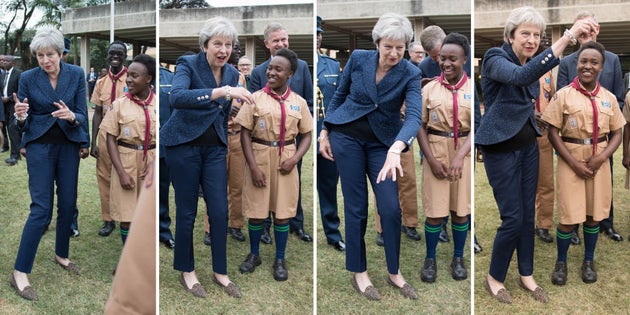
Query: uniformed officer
(328,71)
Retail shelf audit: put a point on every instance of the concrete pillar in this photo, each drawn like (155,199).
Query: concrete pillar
(250,48)
(84,51)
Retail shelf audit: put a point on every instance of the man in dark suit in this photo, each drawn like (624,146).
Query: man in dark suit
(3,113)
(611,77)
(10,86)
(166,236)
(328,72)
(91,78)
(276,38)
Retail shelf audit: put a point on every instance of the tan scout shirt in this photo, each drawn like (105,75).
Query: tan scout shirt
(103,90)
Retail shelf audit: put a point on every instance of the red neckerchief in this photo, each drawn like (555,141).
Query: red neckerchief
(453,89)
(283,117)
(576,85)
(147,128)
(114,79)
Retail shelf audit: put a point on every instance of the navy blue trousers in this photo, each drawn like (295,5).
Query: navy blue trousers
(165,219)
(327,178)
(513,177)
(49,165)
(193,166)
(355,159)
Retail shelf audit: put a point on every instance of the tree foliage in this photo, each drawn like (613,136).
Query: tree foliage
(183,4)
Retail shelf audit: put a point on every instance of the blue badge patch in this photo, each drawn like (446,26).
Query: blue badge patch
(294,107)
(434,117)
(467,96)
(262,125)
(573,123)
(606,104)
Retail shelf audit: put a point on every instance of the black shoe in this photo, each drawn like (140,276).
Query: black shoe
(458,270)
(411,233)
(379,239)
(236,234)
(477,246)
(206,239)
(575,238)
(75,233)
(429,271)
(11,161)
(302,235)
(250,263)
(339,245)
(559,274)
(170,243)
(108,228)
(543,234)
(444,238)
(4,150)
(280,272)
(266,237)
(613,234)
(589,274)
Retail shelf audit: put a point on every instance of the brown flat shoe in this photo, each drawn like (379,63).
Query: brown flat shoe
(72,267)
(406,290)
(503,295)
(539,294)
(231,289)
(196,290)
(370,292)
(28,292)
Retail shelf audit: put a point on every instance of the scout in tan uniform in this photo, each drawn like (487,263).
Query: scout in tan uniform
(236,170)
(544,189)
(585,114)
(107,89)
(443,138)
(268,139)
(130,129)
(626,140)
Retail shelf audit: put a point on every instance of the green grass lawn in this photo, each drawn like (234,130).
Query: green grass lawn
(261,294)
(59,291)
(576,297)
(335,294)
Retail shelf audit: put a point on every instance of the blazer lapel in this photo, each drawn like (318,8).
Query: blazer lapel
(63,90)
(392,78)
(47,91)
(369,72)
(206,72)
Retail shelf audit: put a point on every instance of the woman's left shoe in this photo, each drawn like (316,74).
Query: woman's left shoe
(539,294)
(231,289)
(280,272)
(406,290)
(72,267)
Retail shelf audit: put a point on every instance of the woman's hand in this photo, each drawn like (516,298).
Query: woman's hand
(626,162)
(127,182)
(582,170)
(584,27)
(21,108)
(324,145)
(594,163)
(439,169)
(258,177)
(392,163)
(286,166)
(455,169)
(241,93)
(63,112)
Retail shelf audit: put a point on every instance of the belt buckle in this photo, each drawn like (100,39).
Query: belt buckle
(141,147)
(451,134)
(275,143)
(587,141)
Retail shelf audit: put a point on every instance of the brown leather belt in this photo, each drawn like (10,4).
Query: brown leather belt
(133,146)
(447,134)
(583,141)
(272,143)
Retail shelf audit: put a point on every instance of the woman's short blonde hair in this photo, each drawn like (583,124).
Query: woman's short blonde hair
(216,26)
(393,26)
(522,15)
(47,37)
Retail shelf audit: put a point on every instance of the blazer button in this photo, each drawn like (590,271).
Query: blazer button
(543,62)
(549,55)
(375,105)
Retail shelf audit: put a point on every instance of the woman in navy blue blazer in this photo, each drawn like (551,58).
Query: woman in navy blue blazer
(363,130)
(507,135)
(51,112)
(195,138)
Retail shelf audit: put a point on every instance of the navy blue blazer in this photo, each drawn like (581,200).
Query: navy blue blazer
(193,111)
(35,85)
(301,82)
(611,76)
(509,92)
(358,95)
